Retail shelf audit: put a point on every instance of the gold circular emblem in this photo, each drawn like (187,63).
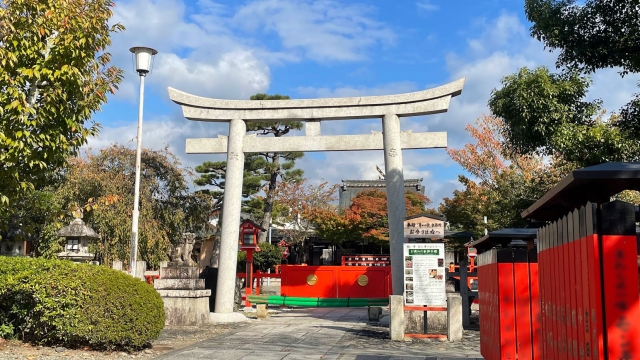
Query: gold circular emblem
(363,280)
(312,280)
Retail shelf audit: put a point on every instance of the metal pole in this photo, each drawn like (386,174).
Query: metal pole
(136,197)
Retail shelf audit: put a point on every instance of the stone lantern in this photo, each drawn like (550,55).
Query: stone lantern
(78,236)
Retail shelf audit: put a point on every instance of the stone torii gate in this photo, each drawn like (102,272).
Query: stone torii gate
(312,112)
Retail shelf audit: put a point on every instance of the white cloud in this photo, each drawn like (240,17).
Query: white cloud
(201,51)
(201,55)
(348,91)
(323,30)
(505,47)
(160,132)
(196,53)
(504,32)
(426,5)
(236,75)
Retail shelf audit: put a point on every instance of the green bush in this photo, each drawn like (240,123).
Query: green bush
(268,256)
(263,260)
(56,302)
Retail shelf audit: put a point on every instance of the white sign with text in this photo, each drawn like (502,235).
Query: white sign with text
(424,227)
(424,275)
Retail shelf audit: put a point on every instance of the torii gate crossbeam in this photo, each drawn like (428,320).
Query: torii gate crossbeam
(312,111)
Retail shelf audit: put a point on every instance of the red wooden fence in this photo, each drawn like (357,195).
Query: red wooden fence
(589,284)
(582,299)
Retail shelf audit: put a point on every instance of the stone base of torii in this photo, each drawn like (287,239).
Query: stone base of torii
(312,111)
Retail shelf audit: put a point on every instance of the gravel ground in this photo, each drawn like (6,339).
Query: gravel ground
(172,338)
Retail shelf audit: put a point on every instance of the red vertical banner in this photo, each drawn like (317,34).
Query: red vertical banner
(506,298)
(550,285)
(536,313)
(564,294)
(483,292)
(571,288)
(496,308)
(557,338)
(542,253)
(490,314)
(577,285)
(524,339)
(595,288)
(620,290)
(586,286)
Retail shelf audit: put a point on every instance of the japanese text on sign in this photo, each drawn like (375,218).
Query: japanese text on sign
(424,227)
(424,275)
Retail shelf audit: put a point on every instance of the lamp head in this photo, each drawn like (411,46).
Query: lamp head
(143,58)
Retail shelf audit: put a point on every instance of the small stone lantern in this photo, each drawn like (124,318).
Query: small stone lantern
(78,236)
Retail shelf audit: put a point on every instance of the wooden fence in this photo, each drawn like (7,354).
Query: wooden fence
(589,284)
(509,304)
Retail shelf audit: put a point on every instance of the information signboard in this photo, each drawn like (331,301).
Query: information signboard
(424,226)
(424,275)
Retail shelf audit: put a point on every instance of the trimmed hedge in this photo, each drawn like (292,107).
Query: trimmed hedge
(57,302)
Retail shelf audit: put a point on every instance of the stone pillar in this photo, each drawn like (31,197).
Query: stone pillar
(117,265)
(395,197)
(396,317)
(141,267)
(454,317)
(231,218)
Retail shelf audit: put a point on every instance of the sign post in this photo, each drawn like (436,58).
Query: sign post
(424,226)
(424,275)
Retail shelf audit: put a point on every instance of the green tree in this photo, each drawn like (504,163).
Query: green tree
(213,173)
(547,114)
(595,35)
(263,260)
(268,256)
(280,165)
(262,170)
(54,75)
(106,181)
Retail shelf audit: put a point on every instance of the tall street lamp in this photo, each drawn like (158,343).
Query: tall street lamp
(143,66)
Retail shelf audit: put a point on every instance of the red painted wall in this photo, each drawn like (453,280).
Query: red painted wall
(336,281)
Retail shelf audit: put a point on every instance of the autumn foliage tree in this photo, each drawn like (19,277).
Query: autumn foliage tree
(368,213)
(502,185)
(302,203)
(365,219)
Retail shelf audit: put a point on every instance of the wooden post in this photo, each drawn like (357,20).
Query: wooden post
(249,278)
(464,292)
(258,281)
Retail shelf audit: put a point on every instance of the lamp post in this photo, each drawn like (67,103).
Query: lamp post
(143,66)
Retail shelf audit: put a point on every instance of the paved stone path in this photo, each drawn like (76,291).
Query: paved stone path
(325,333)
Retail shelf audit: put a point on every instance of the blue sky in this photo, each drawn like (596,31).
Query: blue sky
(310,49)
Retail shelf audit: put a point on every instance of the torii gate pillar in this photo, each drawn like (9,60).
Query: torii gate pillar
(396,209)
(312,111)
